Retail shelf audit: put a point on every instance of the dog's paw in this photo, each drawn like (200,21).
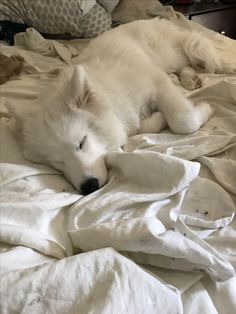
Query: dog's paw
(192,83)
(190,79)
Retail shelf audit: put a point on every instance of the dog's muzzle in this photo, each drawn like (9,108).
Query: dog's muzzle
(90,185)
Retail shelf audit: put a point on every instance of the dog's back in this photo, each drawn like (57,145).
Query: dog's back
(142,41)
(127,65)
(155,42)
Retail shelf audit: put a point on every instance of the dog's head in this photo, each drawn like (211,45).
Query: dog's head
(61,131)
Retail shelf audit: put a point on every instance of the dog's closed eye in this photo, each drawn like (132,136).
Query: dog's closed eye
(81,144)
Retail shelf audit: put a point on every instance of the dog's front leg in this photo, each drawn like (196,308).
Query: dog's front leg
(181,114)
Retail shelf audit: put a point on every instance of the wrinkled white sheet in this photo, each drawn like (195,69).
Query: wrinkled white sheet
(169,206)
(100,281)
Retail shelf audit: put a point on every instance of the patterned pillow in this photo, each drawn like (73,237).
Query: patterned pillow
(79,18)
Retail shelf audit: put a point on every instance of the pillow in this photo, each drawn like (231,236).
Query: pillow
(130,10)
(79,18)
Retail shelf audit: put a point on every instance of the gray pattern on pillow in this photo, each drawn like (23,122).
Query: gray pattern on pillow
(79,18)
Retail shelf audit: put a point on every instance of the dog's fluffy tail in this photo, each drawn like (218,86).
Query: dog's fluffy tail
(201,53)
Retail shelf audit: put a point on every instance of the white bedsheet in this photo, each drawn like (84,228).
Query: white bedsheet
(169,206)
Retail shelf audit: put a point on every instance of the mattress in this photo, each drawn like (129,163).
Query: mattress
(159,237)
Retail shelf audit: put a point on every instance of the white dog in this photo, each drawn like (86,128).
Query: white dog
(121,87)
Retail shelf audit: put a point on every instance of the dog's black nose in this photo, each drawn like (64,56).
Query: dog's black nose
(89,186)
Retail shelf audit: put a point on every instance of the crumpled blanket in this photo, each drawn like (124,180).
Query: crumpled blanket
(102,280)
(32,40)
(168,212)
(10,66)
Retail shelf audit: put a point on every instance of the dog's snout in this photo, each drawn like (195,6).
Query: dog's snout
(90,185)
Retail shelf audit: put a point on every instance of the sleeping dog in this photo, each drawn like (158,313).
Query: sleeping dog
(120,87)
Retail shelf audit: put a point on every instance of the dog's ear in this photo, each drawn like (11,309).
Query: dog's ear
(20,112)
(80,88)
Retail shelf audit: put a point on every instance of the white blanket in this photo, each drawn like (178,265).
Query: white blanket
(169,204)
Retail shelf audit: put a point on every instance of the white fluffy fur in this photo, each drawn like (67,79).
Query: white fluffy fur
(121,87)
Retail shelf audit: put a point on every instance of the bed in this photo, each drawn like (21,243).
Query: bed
(159,237)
